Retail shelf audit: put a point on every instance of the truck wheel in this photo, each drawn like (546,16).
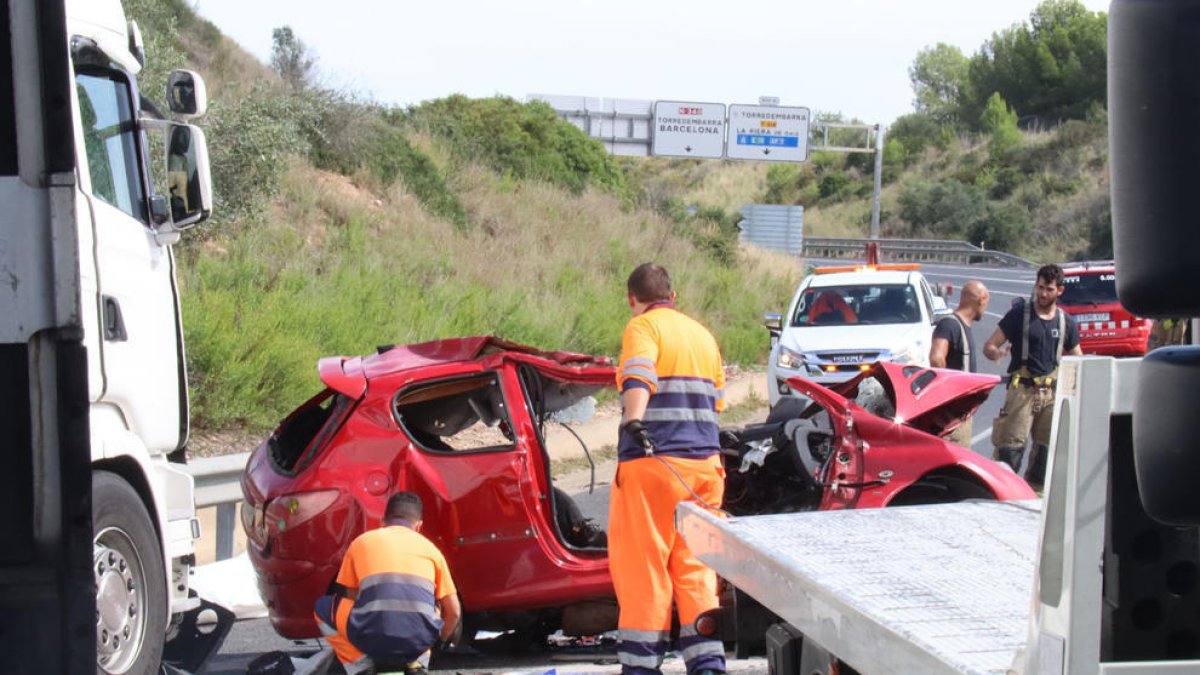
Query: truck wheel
(131,612)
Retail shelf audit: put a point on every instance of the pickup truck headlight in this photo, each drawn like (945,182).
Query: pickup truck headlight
(789,359)
(907,354)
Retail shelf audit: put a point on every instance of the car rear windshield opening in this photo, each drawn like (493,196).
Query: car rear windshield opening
(1089,289)
(301,435)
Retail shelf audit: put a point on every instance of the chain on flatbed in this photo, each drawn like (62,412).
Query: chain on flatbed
(918,589)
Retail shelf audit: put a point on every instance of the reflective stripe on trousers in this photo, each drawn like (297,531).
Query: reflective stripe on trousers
(331,613)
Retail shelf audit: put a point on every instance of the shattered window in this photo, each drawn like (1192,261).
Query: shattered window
(466,414)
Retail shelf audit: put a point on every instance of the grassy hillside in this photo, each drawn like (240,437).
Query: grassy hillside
(344,224)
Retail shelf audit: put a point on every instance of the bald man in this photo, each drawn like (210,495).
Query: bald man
(954,345)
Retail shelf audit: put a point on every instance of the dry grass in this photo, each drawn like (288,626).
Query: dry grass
(729,185)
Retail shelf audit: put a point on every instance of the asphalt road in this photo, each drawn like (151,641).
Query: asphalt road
(248,639)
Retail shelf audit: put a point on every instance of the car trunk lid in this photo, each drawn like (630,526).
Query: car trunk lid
(933,400)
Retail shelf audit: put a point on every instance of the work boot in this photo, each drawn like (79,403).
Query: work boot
(1010,456)
(1035,474)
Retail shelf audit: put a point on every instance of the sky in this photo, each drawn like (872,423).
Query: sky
(848,56)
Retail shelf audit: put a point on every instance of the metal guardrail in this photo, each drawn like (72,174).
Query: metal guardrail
(218,483)
(912,250)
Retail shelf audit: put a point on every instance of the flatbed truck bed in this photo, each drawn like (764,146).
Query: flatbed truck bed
(918,589)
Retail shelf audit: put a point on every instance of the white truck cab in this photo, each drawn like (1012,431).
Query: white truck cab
(137,383)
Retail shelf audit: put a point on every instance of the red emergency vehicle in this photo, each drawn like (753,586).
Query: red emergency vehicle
(1105,326)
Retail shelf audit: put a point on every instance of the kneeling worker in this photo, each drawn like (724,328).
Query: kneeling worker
(393,579)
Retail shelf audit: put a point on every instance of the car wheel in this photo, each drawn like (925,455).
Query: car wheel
(127,563)
(941,490)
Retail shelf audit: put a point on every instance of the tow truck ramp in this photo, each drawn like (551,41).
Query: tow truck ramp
(949,595)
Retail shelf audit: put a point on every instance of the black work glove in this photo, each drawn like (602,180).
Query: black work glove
(640,435)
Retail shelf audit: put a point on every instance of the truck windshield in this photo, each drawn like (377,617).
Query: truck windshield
(109,136)
(1089,289)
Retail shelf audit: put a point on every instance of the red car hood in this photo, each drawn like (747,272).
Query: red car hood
(930,399)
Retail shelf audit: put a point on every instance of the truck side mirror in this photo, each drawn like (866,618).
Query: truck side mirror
(186,93)
(1166,452)
(189,181)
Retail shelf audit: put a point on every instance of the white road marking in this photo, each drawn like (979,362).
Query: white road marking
(981,435)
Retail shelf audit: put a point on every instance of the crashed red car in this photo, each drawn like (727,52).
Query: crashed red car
(464,424)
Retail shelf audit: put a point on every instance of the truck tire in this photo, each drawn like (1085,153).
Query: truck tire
(131,610)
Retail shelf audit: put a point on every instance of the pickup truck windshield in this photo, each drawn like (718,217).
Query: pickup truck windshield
(857,304)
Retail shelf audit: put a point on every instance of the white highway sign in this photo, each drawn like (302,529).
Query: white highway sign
(683,129)
(768,133)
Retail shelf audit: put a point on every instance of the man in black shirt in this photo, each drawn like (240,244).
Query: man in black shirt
(954,344)
(1038,334)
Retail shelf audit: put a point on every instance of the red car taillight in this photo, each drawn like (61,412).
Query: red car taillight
(292,510)
(284,513)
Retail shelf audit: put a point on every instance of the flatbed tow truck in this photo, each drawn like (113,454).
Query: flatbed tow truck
(1103,574)
(977,587)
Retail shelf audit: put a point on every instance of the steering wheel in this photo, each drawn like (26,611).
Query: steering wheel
(799,431)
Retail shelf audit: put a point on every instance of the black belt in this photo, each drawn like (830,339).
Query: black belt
(1040,381)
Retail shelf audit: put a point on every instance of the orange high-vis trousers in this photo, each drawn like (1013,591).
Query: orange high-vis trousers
(651,565)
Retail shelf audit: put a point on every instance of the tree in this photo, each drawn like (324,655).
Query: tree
(291,58)
(938,76)
(1001,121)
(1053,68)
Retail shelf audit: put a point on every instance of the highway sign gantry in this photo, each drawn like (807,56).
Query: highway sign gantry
(685,129)
(768,133)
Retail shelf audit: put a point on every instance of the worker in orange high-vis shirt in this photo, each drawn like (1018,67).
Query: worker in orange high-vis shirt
(392,580)
(671,382)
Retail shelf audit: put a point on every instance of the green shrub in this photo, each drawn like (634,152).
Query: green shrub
(782,182)
(1001,226)
(526,139)
(252,137)
(942,209)
(833,184)
(917,131)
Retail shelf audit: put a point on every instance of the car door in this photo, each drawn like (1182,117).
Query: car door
(470,470)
